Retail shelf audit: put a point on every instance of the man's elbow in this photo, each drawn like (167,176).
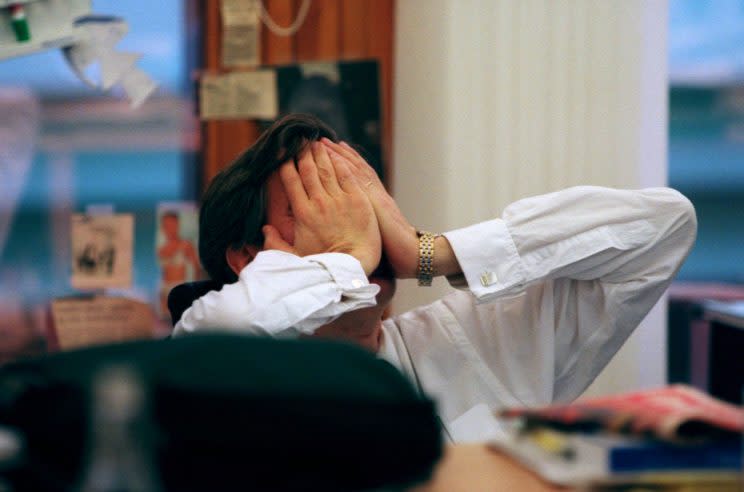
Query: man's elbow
(678,225)
(686,217)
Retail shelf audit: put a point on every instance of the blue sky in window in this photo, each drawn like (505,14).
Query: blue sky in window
(156,29)
(706,41)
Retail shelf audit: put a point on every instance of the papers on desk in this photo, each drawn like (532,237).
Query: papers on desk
(667,436)
(673,413)
(575,459)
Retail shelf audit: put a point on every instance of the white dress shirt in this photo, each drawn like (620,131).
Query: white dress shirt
(554,288)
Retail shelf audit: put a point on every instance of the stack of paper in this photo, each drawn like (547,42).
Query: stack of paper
(674,438)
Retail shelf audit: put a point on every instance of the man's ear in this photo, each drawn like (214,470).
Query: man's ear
(238,258)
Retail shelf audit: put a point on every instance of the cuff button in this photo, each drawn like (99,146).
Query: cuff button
(488,278)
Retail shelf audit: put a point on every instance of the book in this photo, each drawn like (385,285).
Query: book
(574,459)
(674,413)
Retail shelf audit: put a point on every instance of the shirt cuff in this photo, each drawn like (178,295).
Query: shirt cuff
(488,258)
(347,273)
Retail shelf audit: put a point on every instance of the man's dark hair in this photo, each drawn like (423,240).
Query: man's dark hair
(233,209)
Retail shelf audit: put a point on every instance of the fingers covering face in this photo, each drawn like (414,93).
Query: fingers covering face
(346,178)
(317,173)
(309,175)
(325,169)
(345,150)
(322,171)
(293,186)
(359,166)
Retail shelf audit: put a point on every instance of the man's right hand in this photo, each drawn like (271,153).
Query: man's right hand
(332,213)
(399,239)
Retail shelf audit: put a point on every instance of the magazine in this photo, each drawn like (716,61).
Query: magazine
(673,413)
(579,459)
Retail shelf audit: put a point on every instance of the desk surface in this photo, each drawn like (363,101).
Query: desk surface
(476,468)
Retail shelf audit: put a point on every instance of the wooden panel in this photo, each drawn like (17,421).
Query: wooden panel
(212,35)
(354,28)
(278,50)
(318,38)
(223,140)
(380,20)
(333,30)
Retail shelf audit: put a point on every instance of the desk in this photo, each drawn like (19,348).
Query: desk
(476,468)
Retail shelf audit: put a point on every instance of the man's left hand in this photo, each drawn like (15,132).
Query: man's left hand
(399,239)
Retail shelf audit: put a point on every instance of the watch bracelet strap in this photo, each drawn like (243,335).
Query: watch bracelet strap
(425,270)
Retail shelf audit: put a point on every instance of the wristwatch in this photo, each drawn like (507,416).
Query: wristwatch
(425,270)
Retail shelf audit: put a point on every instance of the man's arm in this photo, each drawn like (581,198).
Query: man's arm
(295,288)
(567,277)
(282,294)
(557,235)
(581,233)
(585,264)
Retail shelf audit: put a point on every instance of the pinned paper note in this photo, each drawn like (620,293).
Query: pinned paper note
(214,97)
(240,32)
(255,93)
(80,322)
(102,251)
(239,95)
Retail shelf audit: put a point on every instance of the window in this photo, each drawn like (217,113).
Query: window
(706,131)
(90,151)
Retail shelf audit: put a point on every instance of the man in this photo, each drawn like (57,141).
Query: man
(296,227)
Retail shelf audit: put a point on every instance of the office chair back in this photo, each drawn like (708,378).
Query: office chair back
(183,295)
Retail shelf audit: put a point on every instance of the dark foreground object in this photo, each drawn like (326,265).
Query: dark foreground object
(232,413)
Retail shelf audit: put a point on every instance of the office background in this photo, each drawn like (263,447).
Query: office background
(492,101)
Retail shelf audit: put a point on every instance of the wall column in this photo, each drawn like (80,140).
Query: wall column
(497,100)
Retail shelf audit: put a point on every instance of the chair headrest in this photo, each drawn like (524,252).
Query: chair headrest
(182,296)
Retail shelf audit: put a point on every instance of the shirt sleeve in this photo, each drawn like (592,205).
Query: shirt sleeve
(596,260)
(280,294)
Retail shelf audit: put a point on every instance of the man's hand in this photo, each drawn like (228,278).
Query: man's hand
(332,212)
(399,239)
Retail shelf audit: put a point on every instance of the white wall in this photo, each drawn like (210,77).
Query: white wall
(500,99)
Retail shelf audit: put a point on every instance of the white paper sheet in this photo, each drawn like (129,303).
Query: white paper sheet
(240,33)
(239,95)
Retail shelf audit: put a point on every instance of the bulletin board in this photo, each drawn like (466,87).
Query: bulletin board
(333,31)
